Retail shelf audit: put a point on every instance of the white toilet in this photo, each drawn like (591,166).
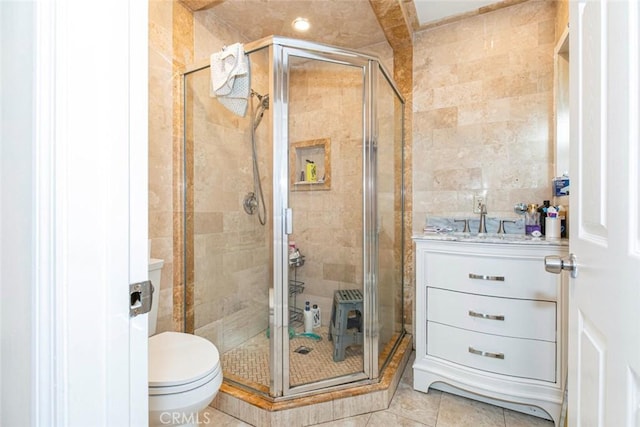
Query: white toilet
(184,369)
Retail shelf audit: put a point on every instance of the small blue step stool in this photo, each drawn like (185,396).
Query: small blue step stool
(345,328)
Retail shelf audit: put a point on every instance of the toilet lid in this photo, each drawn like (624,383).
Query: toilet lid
(176,358)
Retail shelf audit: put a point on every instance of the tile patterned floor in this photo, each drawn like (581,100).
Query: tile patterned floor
(410,408)
(249,362)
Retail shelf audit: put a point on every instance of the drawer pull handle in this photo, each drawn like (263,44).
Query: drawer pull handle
(486,353)
(486,316)
(485,277)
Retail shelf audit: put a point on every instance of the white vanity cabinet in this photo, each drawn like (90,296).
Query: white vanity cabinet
(491,323)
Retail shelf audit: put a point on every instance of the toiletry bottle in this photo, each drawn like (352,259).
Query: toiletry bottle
(311,171)
(563,214)
(543,214)
(316,316)
(294,254)
(553,224)
(308,318)
(532,219)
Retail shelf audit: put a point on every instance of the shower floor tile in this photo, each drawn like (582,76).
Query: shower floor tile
(248,363)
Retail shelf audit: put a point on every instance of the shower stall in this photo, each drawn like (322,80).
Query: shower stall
(299,199)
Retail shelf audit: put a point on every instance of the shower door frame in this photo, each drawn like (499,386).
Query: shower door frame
(280,50)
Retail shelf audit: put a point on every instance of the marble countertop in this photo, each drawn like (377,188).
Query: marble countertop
(450,229)
(519,239)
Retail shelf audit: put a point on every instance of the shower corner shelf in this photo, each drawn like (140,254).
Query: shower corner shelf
(296,287)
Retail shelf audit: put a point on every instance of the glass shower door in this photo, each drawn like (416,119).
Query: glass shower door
(326,169)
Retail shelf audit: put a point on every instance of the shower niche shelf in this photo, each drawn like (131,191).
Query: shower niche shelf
(317,151)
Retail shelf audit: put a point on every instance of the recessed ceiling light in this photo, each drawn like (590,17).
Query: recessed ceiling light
(301,24)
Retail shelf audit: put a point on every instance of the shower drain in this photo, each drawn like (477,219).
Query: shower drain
(303,349)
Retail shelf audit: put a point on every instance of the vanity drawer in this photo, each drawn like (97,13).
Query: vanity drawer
(501,316)
(502,355)
(499,276)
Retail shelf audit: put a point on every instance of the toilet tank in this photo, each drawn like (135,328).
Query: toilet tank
(155,275)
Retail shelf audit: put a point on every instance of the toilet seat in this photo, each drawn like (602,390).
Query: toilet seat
(180,362)
(181,388)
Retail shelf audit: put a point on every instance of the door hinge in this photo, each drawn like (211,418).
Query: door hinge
(140,298)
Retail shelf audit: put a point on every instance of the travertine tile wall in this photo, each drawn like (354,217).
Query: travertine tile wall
(562,17)
(483,112)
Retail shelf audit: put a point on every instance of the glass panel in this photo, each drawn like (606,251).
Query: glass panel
(326,181)
(390,218)
(228,250)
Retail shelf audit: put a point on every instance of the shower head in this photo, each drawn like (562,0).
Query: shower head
(263,99)
(264,105)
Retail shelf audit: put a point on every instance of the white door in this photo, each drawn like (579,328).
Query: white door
(604,312)
(91,192)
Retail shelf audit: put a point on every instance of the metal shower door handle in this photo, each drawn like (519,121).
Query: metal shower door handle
(555,264)
(288,221)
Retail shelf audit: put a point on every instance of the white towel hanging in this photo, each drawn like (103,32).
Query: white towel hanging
(231,78)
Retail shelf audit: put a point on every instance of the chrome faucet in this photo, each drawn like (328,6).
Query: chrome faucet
(466,224)
(482,227)
(501,226)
